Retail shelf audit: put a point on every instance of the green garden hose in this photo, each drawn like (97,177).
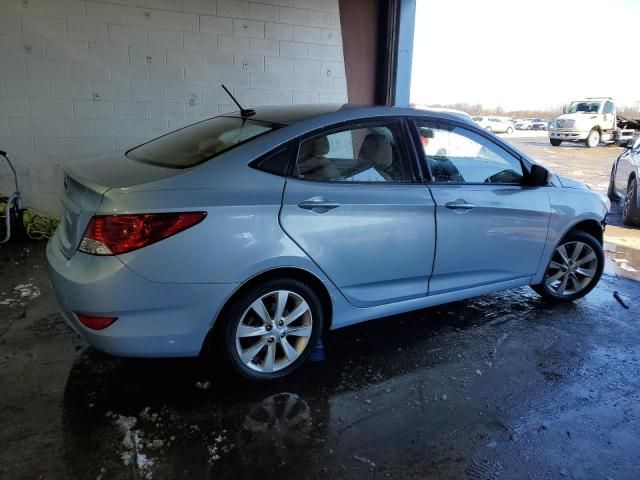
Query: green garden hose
(38,225)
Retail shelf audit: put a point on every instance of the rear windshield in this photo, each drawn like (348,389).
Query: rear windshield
(201,141)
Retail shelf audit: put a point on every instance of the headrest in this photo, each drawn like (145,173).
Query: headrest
(376,150)
(315,147)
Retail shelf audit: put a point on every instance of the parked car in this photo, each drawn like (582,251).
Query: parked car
(523,124)
(495,124)
(623,183)
(250,233)
(539,124)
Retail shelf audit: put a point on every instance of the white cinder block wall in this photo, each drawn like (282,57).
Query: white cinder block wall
(80,78)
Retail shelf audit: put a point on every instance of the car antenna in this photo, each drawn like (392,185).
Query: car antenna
(244,112)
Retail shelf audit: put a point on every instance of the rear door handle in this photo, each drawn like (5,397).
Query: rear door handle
(318,204)
(459,205)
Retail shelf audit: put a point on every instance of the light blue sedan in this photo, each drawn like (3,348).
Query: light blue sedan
(249,234)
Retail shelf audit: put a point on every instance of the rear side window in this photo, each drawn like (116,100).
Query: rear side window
(199,142)
(359,153)
(276,162)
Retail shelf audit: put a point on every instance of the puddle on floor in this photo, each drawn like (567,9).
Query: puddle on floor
(622,261)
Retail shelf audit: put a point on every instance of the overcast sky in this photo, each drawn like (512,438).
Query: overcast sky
(527,53)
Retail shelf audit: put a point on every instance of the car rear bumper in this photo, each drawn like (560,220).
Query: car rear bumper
(154,319)
(568,134)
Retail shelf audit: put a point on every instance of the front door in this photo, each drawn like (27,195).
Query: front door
(491,228)
(354,204)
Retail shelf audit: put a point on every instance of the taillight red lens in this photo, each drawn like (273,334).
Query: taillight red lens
(95,323)
(116,234)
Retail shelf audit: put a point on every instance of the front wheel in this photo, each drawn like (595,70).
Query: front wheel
(574,270)
(555,142)
(593,139)
(272,329)
(630,210)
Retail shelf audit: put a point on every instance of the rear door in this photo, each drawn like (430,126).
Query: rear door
(355,204)
(490,228)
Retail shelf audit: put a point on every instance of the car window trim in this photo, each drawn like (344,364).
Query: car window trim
(435,122)
(364,122)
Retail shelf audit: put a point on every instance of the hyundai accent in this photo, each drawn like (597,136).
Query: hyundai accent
(251,233)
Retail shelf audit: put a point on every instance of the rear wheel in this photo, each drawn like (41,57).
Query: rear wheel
(593,139)
(574,270)
(555,142)
(509,130)
(272,329)
(630,210)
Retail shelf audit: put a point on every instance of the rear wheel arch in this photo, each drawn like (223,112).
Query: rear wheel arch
(284,272)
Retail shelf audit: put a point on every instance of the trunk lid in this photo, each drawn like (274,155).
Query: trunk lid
(85,184)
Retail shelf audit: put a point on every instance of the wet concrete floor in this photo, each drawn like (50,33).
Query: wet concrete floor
(503,386)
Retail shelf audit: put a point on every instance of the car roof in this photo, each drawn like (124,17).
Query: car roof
(292,114)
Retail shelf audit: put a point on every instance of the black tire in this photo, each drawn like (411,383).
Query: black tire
(555,142)
(630,210)
(509,131)
(489,129)
(611,190)
(241,304)
(593,139)
(544,291)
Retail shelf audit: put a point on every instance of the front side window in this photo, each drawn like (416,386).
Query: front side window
(199,142)
(457,155)
(608,107)
(363,153)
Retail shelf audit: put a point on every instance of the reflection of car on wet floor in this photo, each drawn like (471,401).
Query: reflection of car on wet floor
(623,183)
(250,233)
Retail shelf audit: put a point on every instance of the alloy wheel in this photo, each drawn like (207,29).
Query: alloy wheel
(274,331)
(573,266)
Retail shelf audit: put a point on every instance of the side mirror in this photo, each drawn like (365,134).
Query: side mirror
(537,177)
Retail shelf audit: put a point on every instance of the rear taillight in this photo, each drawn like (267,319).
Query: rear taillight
(95,323)
(116,234)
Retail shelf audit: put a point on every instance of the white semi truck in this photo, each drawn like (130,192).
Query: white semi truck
(592,120)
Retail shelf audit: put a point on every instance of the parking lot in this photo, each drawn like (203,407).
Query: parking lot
(498,387)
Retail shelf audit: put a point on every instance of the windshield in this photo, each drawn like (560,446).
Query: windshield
(584,107)
(199,142)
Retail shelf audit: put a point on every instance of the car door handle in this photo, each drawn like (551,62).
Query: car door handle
(318,204)
(459,205)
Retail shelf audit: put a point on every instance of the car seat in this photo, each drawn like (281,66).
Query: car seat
(376,151)
(312,163)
